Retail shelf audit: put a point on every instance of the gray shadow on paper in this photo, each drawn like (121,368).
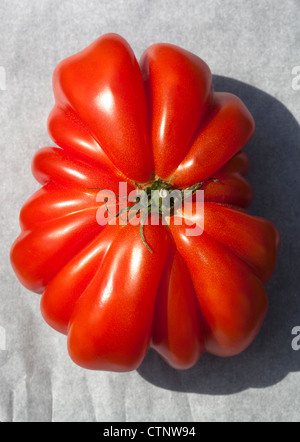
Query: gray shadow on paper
(275,166)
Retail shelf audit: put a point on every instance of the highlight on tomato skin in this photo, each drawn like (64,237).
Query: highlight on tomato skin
(116,241)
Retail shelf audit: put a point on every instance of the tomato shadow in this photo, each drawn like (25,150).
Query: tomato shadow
(274,154)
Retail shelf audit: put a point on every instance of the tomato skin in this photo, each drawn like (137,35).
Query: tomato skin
(37,255)
(116,289)
(231,186)
(63,291)
(177,334)
(55,165)
(231,297)
(257,241)
(180,105)
(111,324)
(229,126)
(102,85)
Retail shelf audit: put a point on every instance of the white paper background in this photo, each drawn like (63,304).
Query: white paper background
(254,41)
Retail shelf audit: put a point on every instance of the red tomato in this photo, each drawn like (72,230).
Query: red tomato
(116,288)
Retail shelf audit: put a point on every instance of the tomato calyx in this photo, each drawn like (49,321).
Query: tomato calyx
(159,198)
(163,197)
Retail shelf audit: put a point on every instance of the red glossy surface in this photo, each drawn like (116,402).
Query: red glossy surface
(117,121)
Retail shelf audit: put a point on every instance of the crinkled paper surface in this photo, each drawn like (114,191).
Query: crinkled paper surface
(252,47)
